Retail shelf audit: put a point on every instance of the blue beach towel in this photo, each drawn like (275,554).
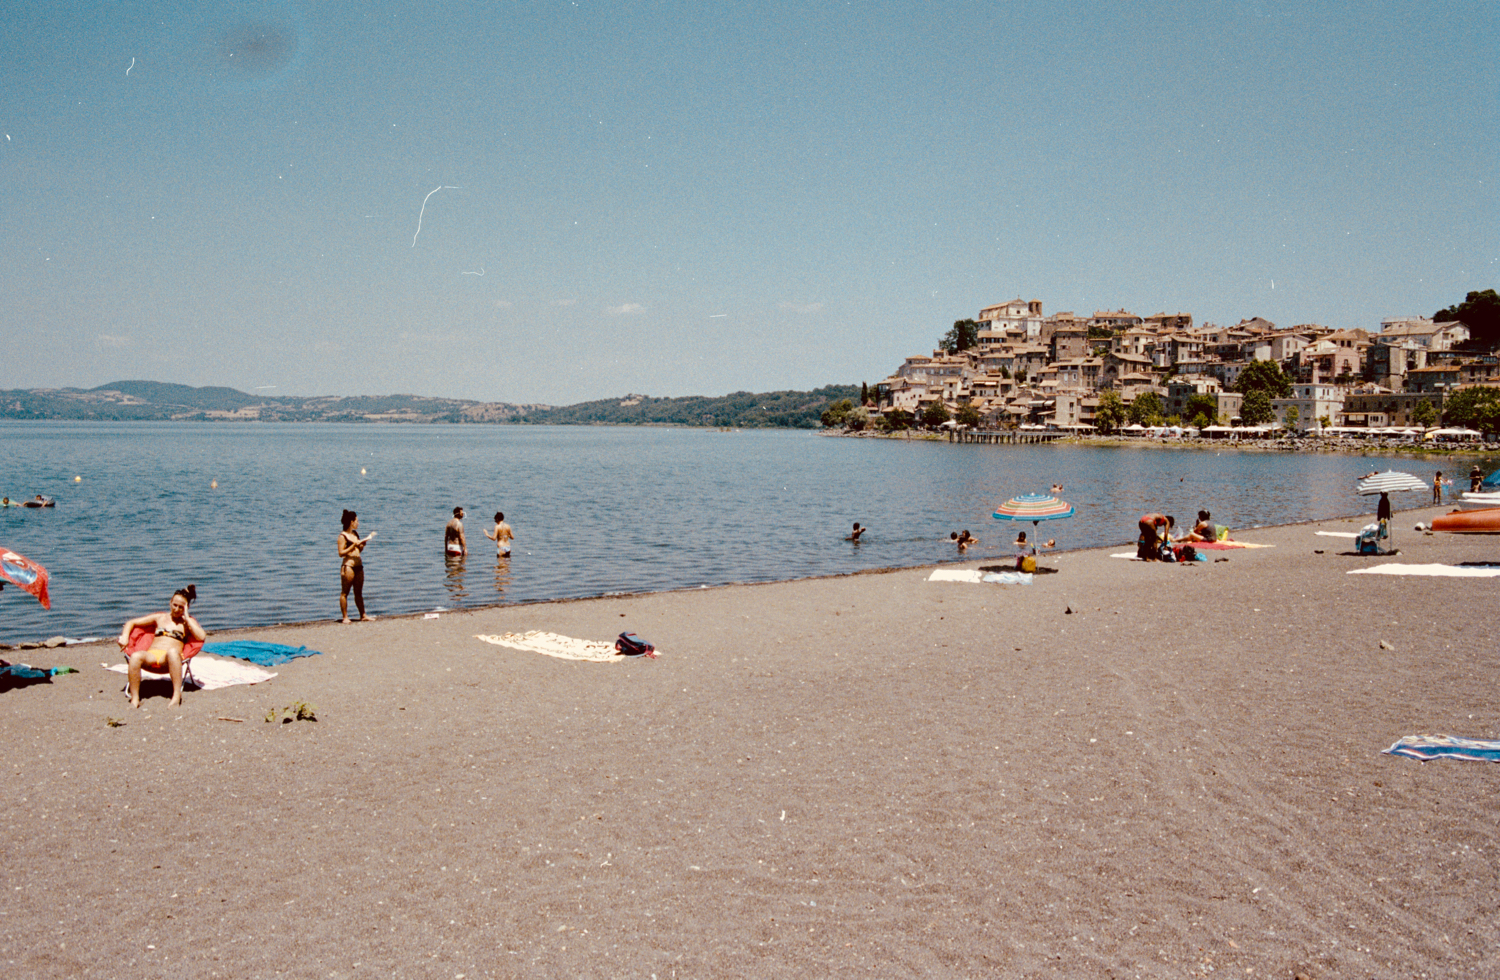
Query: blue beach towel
(264,654)
(1425,747)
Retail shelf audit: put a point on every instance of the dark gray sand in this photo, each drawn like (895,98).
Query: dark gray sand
(872,776)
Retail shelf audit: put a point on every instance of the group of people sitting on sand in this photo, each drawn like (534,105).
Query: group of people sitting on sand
(1160,542)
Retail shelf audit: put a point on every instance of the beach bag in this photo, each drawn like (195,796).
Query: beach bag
(1223,534)
(633,646)
(1028,563)
(1167,554)
(1186,552)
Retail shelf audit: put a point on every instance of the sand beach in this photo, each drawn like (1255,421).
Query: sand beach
(1121,770)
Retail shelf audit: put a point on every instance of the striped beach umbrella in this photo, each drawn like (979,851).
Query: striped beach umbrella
(1391,481)
(1033,507)
(1388,482)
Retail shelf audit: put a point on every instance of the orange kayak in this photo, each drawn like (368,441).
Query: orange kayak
(1469,522)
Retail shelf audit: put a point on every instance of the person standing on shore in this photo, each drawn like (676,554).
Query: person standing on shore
(455,545)
(1437,488)
(1155,529)
(352,566)
(1476,479)
(502,536)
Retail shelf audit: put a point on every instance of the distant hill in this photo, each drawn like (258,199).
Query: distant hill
(146,401)
(743,409)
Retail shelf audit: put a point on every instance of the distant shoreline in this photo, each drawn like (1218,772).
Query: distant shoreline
(1348,447)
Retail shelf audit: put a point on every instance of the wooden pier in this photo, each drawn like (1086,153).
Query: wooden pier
(1003,437)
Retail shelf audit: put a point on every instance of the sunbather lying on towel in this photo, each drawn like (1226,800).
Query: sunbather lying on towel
(174,628)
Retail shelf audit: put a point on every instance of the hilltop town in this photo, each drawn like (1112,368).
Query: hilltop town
(1016,366)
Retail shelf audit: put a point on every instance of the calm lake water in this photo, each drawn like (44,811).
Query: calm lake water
(595,510)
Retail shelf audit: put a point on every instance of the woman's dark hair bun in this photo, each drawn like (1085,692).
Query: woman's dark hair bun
(349,517)
(190,593)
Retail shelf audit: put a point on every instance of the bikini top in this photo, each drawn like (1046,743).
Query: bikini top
(177,634)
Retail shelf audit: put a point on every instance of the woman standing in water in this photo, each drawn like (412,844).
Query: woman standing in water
(502,537)
(352,569)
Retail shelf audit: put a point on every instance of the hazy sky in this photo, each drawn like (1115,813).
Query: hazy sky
(693,198)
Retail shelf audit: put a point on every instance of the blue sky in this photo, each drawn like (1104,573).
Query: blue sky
(672,199)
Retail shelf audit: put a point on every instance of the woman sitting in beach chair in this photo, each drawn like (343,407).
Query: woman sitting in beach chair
(162,643)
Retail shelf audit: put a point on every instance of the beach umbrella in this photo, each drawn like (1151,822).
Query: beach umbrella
(25,573)
(1390,481)
(1033,507)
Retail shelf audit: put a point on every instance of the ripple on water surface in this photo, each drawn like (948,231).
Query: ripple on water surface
(595,510)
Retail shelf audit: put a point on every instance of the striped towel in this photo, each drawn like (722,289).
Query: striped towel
(1427,747)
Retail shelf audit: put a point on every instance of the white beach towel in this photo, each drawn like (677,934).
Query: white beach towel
(556,645)
(1443,571)
(210,672)
(1338,534)
(975,576)
(955,575)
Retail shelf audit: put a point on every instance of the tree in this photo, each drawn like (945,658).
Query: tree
(1201,410)
(968,416)
(1111,413)
(963,335)
(864,393)
(935,415)
(1264,376)
(1423,414)
(898,419)
(1256,409)
(1146,409)
(1020,376)
(1474,408)
(858,419)
(1293,417)
(1480,312)
(835,413)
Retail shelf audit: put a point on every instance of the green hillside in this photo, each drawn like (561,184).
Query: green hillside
(145,401)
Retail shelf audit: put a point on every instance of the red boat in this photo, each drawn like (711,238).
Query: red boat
(1469,522)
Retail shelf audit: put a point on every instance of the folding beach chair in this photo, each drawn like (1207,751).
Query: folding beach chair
(140,639)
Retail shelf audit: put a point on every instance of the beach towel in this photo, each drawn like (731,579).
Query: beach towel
(264,654)
(976,576)
(1338,534)
(1426,747)
(1008,578)
(1441,571)
(557,645)
(209,674)
(1228,545)
(955,575)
